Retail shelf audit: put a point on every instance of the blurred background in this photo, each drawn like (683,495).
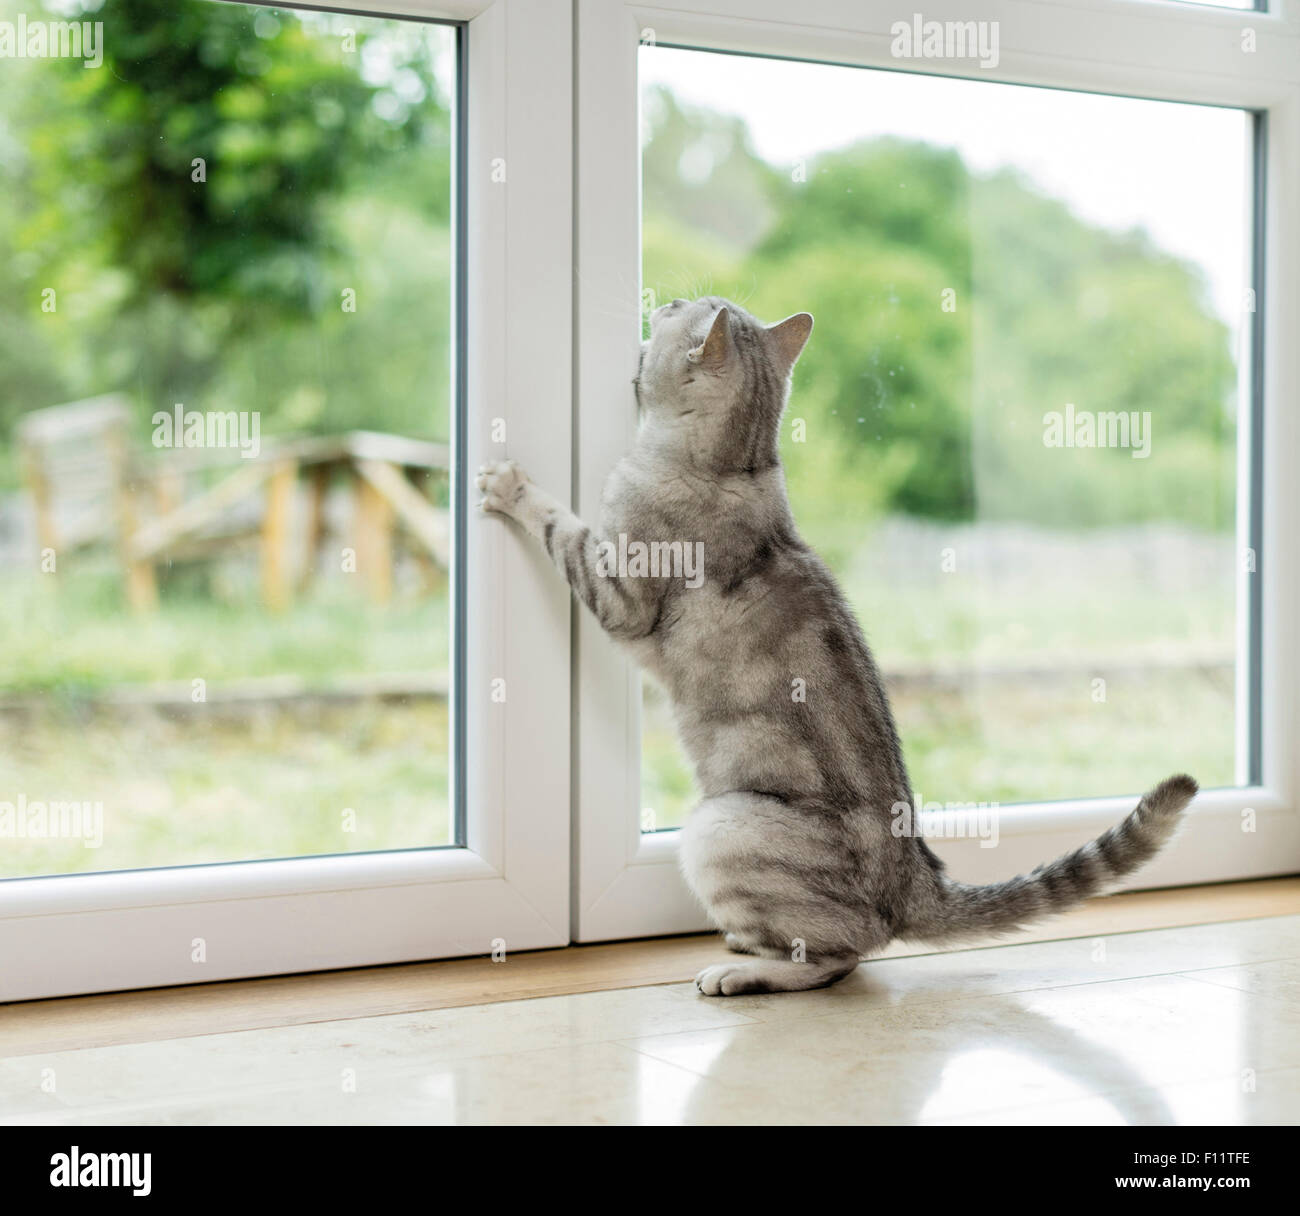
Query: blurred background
(201,206)
(1053,623)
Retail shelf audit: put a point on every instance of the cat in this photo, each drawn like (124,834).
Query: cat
(777,698)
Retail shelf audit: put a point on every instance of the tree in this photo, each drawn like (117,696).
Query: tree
(953,311)
(185,191)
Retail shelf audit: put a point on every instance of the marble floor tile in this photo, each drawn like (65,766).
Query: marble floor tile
(911,1064)
(961,974)
(1278,980)
(1189,1025)
(321,1053)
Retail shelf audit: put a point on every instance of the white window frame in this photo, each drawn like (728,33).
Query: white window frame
(627,883)
(509,884)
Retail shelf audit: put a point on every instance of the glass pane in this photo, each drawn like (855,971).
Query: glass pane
(226,262)
(1013,434)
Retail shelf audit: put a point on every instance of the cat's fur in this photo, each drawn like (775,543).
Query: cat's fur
(777,698)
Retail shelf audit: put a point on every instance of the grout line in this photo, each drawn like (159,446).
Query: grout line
(1285,1002)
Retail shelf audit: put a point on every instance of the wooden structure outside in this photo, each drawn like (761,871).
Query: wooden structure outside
(70,458)
(88,487)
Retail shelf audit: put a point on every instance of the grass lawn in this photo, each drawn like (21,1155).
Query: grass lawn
(1015,742)
(978,598)
(209,787)
(209,783)
(68,634)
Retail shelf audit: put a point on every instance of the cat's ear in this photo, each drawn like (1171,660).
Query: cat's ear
(787,338)
(713,351)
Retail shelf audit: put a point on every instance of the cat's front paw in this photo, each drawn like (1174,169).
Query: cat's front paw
(503,484)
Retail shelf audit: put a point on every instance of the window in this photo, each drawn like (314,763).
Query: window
(280,327)
(231,351)
(275,280)
(1014,435)
(1029,432)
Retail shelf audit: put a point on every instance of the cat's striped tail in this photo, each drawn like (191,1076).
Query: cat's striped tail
(955,910)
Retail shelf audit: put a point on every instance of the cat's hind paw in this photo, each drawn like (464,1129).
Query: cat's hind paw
(728,979)
(773,975)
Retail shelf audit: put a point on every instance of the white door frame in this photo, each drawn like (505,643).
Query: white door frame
(627,883)
(509,884)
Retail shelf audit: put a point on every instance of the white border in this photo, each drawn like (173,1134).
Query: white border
(627,884)
(88,933)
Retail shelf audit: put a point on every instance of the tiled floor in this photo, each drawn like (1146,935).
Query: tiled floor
(1195,1025)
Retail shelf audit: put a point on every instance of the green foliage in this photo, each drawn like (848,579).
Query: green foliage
(325,166)
(703,166)
(908,405)
(272,107)
(323,174)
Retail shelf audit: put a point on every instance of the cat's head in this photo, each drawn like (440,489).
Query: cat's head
(716,379)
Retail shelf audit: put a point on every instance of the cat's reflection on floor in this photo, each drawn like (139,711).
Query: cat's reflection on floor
(930,1081)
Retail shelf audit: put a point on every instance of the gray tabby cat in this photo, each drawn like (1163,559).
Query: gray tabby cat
(793,842)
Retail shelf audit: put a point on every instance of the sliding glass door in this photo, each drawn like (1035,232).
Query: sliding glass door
(252,707)
(275,696)
(1029,431)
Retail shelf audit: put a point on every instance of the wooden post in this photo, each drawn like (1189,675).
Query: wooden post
(277,589)
(374,540)
(141,579)
(38,485)
(431,576)
(168,489)
(320,484)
